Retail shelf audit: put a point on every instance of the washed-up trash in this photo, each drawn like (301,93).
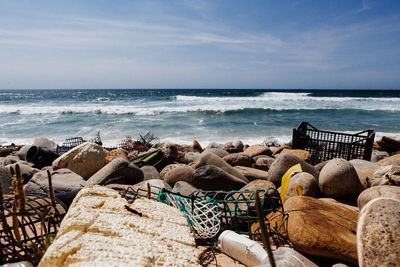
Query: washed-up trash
(143,143)
(241,248)
(70,143)
(29,222)
(202,215)
(154,158)
(326,145)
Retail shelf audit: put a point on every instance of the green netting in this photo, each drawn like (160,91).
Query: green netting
(203,215)
(238,211)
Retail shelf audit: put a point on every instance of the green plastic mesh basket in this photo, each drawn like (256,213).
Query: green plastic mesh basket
(238,211)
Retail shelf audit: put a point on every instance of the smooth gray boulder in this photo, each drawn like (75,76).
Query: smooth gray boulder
(184,188)
(150,172)
(211,177)
(180,173)
(212,159)
(380,191)
(118,171)
(307,182)
(284,162)
(378,233)
(339,179)
(66,184)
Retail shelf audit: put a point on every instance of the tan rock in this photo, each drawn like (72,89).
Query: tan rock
(339,179)
(258,184)
(380,191)
(392,160)
(285,161)
(180,173)
(252,173)
(113,154)
(307,182)
(387,175)
(280,149)
(365,169)
(239,159)
(85,159)
(387,144)
(212,159)
(303,154)
(102,229)
(378,233)
(256,150)
(197,147)
(321,228)
(263,163)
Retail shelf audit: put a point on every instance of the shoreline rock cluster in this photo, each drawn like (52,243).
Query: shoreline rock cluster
(332,217)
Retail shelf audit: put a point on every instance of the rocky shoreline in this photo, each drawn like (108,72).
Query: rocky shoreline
(335,212)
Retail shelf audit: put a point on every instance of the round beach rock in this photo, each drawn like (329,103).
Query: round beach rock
(252,173)
(303,154)
(378,233)
(85,159)
(114,154)
(184,188)
(380,191)
(239,159)
(379,155)
(217,151)
(180,173)
(118,171)
(211,177)
(263,163)
(365,169)
(285,161)
(150,172)
(339,179)
(192,156)
(392,160)
(66,184)
(168,168)
(256,150)
(387,175)
(321,228)
(306,181)
(212,159)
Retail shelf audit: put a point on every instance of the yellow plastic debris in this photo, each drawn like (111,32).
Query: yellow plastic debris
(299,190)
(286,179)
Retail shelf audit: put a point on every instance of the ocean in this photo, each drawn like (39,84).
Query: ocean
(182,115)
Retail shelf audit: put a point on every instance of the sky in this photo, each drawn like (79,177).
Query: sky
(272,44)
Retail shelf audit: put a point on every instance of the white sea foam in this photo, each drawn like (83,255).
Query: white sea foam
(274,101)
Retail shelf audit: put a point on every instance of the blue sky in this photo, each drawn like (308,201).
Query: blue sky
(200,44)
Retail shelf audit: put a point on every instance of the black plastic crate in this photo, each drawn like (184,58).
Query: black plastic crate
(326,145)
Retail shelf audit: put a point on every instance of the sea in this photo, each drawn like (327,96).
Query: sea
(183,115)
